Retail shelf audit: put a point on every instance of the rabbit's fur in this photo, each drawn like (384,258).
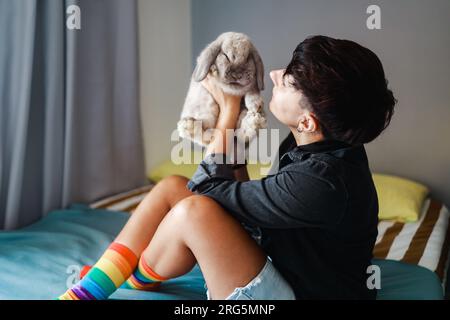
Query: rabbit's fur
(236,66)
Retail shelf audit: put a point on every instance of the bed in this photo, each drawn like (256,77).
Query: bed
(423,245)
(43,259)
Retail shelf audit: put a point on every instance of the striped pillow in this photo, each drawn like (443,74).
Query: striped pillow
(425,242)
(125,201)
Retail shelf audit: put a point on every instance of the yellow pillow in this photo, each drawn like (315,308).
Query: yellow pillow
(399,199)
(168,168)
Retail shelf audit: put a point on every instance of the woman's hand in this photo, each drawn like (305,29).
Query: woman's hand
(230,107)
(224,100)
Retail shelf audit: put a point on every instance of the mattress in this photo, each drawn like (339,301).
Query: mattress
(42,260)
(424,243)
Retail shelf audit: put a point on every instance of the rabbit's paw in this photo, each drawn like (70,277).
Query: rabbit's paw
(186,128)
(192,129)
(249,125)
(254,102)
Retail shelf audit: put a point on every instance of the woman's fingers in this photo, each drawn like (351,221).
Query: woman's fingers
(221,98)
(213,90)
(206,83)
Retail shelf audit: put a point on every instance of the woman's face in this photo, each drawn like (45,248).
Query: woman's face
(285,103)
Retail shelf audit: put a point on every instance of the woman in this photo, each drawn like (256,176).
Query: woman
(316,217)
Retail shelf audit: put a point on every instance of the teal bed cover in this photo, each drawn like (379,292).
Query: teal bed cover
(41,260)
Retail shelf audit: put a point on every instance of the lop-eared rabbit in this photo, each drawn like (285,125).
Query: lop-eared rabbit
(234,63)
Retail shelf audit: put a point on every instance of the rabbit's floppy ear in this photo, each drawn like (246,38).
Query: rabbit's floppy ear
(259,69)
(206,59)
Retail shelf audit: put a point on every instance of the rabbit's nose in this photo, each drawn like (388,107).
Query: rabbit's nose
(236,75)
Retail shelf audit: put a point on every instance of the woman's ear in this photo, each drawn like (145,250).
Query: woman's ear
(206,59)
(307,123)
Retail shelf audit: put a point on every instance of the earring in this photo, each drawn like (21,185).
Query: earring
(299,130)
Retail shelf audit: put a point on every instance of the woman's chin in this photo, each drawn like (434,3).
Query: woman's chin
(274,112)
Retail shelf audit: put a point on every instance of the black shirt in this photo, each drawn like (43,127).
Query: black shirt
(318,215)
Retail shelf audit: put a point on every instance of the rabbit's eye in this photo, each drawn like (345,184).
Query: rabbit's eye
(226,57)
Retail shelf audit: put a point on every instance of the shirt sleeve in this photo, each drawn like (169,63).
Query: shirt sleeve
(291,198)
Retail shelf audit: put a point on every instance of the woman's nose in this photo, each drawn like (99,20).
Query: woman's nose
(275,75)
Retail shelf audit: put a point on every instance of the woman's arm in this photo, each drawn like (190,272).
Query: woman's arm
(289,199)
(230,107)
(229,112)
(222,140)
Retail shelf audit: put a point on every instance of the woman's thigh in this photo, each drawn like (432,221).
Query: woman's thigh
(144,221)
(197,225)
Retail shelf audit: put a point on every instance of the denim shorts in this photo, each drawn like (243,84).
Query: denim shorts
(254,232)
(267,285)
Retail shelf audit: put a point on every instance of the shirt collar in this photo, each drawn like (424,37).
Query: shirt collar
(304,151)
(322,146)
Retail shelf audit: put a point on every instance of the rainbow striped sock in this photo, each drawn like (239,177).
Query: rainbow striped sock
(110,271)
(144,278)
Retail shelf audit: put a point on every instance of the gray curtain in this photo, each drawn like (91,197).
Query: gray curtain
(69,115)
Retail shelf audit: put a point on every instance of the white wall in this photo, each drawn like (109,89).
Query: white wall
(413,45)
(165,70)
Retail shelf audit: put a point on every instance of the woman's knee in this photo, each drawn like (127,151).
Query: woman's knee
(199,216)
(173,182)
(173,188)
(195,209)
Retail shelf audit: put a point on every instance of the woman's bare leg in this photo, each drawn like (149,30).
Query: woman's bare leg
(200,230)
(139,229)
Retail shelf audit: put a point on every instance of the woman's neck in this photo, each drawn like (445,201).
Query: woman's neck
(302,138)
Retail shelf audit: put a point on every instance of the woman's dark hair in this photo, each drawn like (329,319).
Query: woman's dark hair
(345,86)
